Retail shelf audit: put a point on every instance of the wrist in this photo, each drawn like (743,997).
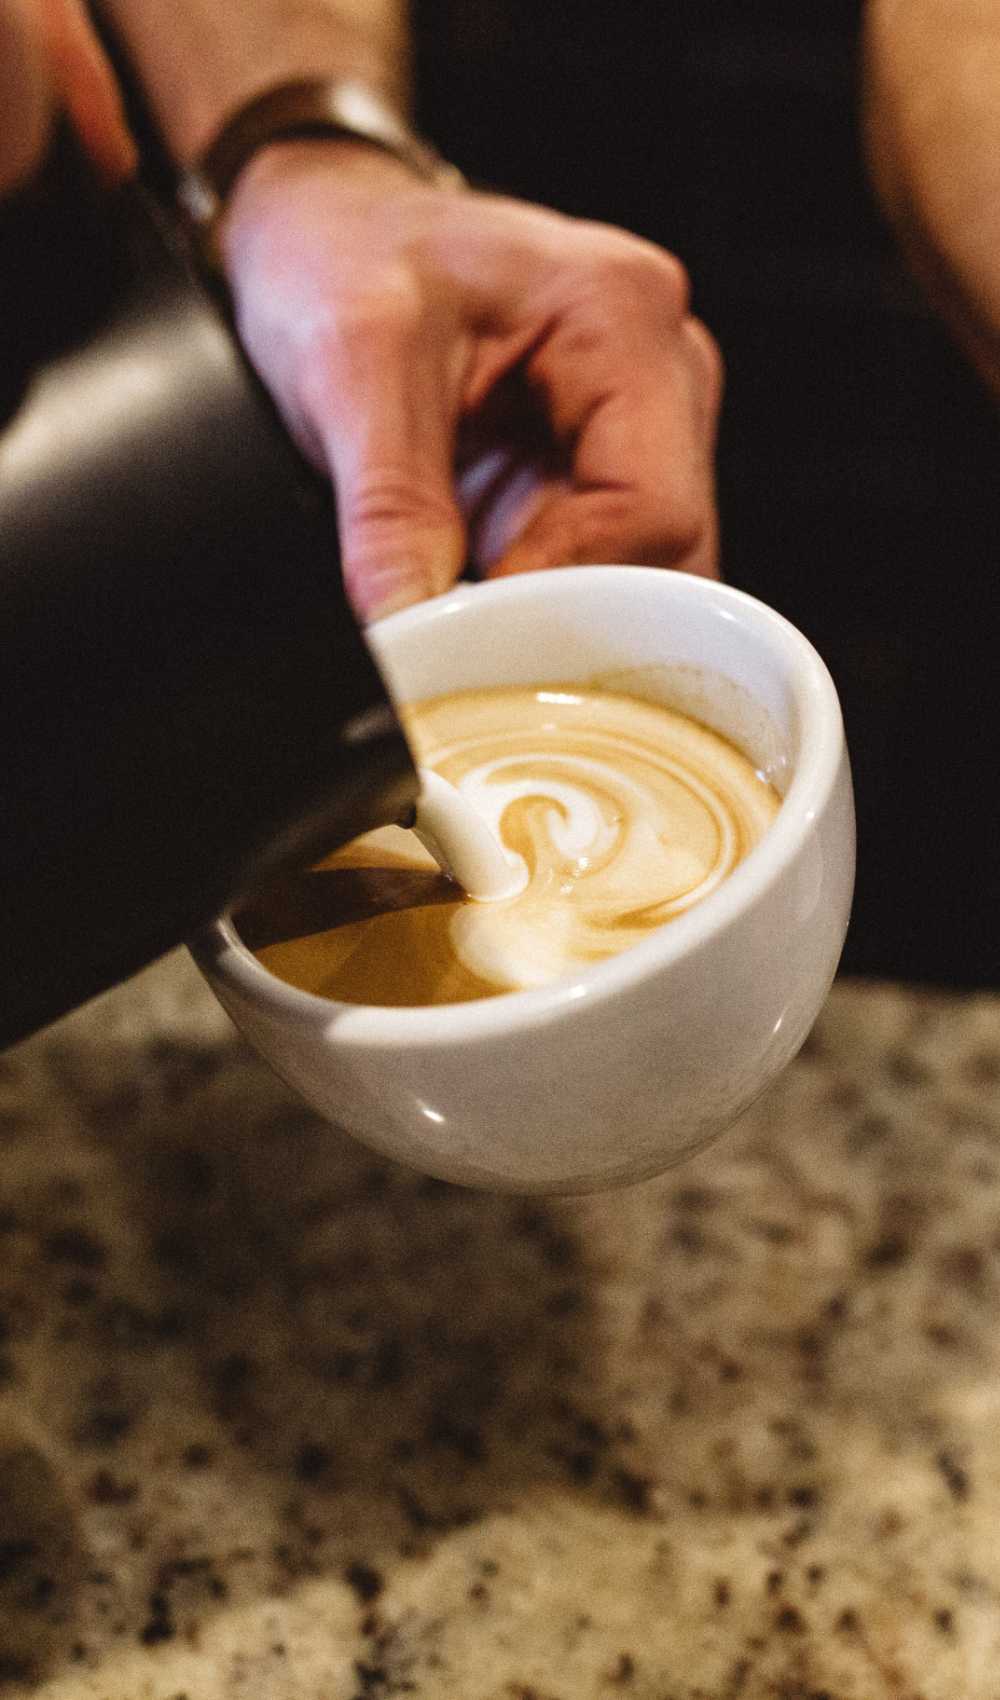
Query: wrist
(203,60)
(279,131)
(357,165)
(352,169)
(211,109)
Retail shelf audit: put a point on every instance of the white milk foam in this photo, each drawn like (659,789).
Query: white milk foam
(623,813)
(459,838)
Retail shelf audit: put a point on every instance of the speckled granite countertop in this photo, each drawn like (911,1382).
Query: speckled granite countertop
(279,1420)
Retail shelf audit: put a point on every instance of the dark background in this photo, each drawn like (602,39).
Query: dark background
(859,456)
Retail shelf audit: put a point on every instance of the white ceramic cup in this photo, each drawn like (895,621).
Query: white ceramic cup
(639,1060)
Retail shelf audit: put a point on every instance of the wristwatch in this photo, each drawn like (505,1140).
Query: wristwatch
(309,108)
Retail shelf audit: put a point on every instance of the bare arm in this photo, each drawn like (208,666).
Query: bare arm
(932,88)
(482,380)
(201,59)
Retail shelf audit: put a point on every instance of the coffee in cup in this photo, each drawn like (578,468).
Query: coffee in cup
(622,814)
(614,1072)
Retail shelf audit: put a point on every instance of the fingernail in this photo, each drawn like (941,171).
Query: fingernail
(405,594)
(390,594)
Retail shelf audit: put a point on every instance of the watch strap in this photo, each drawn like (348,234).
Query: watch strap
(302,110)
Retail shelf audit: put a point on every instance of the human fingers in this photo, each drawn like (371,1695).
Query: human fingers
(382,397)
(88,88)
(631,386)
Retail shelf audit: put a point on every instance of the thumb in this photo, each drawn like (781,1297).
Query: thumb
(402,537)
(388,430)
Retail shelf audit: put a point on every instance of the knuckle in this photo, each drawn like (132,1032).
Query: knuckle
(393,501)
(390,308)
(360,334)
(708,359)
(671,277)
(659,532)
(646,272)
(393,512)
(689,528)
(678,530)
(690,524)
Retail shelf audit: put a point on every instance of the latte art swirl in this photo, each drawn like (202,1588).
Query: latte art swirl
(623,813)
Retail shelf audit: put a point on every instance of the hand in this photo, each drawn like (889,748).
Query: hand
(931,109)
(484,380)
(50,57)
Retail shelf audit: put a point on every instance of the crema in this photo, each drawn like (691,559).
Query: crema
(624,814)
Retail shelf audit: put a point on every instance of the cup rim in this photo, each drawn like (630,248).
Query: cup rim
(221,953)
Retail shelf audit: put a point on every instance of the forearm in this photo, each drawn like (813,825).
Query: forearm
(198,60)
(932,104)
